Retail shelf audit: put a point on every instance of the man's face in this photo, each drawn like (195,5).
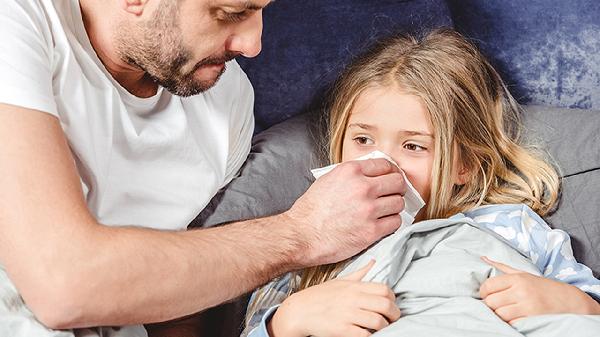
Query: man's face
(183,44)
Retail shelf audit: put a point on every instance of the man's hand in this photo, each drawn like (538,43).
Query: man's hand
(340,307)
(348,209)
(518,294)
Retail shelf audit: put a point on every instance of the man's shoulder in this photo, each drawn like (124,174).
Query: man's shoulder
(39,17)
(39,10)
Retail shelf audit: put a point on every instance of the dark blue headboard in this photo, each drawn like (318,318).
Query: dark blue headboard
(548,51)
(307,42)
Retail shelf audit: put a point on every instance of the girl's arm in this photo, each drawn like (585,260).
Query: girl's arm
(567,286)
(518,294)
(341,307)
(551,251)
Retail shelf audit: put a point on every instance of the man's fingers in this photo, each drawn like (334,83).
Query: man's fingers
(389,184)
(389,205)
(388,224)
(506,269)
(494,285)
(376,167)
(360,273)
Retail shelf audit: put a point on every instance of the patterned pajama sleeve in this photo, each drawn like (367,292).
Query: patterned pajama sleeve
(270,297)
(549,249)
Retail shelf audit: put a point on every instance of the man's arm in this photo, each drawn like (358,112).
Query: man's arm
(74,272)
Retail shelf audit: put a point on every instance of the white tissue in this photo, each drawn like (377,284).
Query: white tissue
(412,200)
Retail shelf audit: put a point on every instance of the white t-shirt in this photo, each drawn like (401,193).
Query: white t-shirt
(153,162)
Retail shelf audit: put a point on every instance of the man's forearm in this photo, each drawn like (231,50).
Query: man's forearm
(133,275)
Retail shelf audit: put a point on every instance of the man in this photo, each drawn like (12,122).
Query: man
(119,120)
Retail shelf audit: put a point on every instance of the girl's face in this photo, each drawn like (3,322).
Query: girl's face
(385,119)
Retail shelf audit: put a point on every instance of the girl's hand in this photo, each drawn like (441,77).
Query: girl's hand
(518,294)
(341,307)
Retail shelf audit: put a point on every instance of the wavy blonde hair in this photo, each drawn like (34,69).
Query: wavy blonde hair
(474,118)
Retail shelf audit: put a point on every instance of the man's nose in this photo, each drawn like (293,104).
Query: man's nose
(246,39)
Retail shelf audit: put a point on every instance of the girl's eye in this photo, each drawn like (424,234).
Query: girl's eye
(361,140)
(414,147)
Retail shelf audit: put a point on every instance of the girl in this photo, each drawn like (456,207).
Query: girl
(440,110)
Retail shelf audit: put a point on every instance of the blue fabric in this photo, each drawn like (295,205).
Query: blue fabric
(261,330)
(307,43)
(548,51)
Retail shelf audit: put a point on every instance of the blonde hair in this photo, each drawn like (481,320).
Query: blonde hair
(474,118)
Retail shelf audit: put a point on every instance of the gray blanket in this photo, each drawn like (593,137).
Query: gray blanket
(435,270)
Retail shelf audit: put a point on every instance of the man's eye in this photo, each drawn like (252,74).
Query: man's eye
(234,16)
(414,147)
(363,140)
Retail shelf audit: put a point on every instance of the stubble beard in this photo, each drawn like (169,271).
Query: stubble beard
(157,48)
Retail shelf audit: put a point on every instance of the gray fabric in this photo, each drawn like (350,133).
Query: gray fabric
(435,271)
(572,138)
(276,173)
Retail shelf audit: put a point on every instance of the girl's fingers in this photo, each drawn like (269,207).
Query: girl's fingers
(356,331)
(506,269)
(494,285)
(378,289)
(370,320)
(510,313)
(499,299)
(360,273)
(382,306)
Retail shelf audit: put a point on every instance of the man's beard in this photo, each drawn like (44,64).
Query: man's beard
(157,48)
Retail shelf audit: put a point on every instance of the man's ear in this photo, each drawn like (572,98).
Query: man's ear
(135,7)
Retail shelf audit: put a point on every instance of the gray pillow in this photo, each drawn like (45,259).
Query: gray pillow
(277,173)
(572,137)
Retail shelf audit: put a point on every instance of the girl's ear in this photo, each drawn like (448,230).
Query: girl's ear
(463,169)
(462,176)
(135,7)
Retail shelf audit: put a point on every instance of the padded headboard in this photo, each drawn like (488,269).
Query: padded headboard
(307,43)
(548,51)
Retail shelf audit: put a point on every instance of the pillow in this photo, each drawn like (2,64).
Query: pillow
(306,44)
(278,172)
(275,174)
(571,137)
